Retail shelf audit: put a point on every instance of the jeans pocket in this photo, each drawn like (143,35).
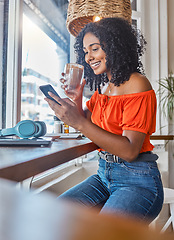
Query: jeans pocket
(139,168)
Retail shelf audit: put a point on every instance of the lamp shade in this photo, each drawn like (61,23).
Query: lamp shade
(81,12)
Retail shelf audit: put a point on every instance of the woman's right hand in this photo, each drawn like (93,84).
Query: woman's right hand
(72,95)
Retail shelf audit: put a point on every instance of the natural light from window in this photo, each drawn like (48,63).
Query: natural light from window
(41,64)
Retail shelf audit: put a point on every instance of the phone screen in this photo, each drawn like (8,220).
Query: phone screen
(48,88)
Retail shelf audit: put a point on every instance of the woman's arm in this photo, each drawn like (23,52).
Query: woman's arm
(126,146)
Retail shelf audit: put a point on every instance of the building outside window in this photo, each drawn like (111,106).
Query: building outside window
(43,60)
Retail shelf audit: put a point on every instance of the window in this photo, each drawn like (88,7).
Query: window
(134,5)
(43,57)
(136,13)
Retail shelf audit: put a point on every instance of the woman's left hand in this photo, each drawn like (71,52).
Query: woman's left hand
(77,93)
(67,112)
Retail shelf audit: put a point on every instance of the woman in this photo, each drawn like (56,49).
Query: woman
(119,118)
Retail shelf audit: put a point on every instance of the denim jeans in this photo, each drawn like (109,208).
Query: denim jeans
(127,188)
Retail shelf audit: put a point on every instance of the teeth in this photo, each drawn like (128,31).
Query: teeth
(95,64)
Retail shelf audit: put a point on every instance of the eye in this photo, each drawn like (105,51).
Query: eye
(85,53)
(95,49)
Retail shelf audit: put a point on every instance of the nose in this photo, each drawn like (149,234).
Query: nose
(89,57)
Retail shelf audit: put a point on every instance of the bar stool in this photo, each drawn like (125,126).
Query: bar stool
(169,199)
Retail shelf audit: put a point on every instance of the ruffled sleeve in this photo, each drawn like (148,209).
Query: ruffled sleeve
(91,103)
(139,113)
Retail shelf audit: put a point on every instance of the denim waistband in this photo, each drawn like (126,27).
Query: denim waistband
(143,157)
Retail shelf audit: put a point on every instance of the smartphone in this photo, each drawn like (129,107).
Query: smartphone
(48,88)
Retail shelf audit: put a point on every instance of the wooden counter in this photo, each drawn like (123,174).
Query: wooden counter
(162,137)
(20,163)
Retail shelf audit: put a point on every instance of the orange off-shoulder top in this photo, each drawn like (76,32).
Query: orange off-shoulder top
(136,112)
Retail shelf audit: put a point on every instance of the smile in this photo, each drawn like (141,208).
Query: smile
(94,65)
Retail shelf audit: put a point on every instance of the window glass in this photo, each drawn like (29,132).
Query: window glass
(42,63)
(136,13)
(134,5)
(134,22)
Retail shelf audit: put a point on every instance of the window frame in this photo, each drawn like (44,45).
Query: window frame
(12,84)
(137,15)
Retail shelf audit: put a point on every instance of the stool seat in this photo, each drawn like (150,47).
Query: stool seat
(169,199)
(168,195)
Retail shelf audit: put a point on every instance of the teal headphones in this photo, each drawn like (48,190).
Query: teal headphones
(26,129)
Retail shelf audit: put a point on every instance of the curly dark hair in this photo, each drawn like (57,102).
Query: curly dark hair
(123,45)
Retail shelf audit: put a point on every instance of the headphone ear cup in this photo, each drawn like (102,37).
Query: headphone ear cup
(23,129)
(41,129)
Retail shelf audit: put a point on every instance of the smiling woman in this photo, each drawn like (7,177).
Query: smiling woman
(119,118)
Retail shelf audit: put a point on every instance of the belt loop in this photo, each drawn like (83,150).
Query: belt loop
(109,157)
(115,158)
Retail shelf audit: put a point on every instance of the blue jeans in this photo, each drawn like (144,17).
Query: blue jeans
(128,188)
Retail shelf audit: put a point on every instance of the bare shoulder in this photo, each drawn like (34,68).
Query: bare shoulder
(137,83)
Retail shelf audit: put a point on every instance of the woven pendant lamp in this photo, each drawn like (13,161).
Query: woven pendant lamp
(81,12)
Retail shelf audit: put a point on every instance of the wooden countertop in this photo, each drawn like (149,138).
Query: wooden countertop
(20,163)
(162,137)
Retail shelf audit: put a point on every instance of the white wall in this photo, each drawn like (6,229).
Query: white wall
(171,68)
(1,49)
(158,20)
(156,57)
(171,34)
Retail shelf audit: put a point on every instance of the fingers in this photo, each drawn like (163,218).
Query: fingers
(61,101)
(68,101)
(64,87)
(63,80)
(54,96)
(51,103)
